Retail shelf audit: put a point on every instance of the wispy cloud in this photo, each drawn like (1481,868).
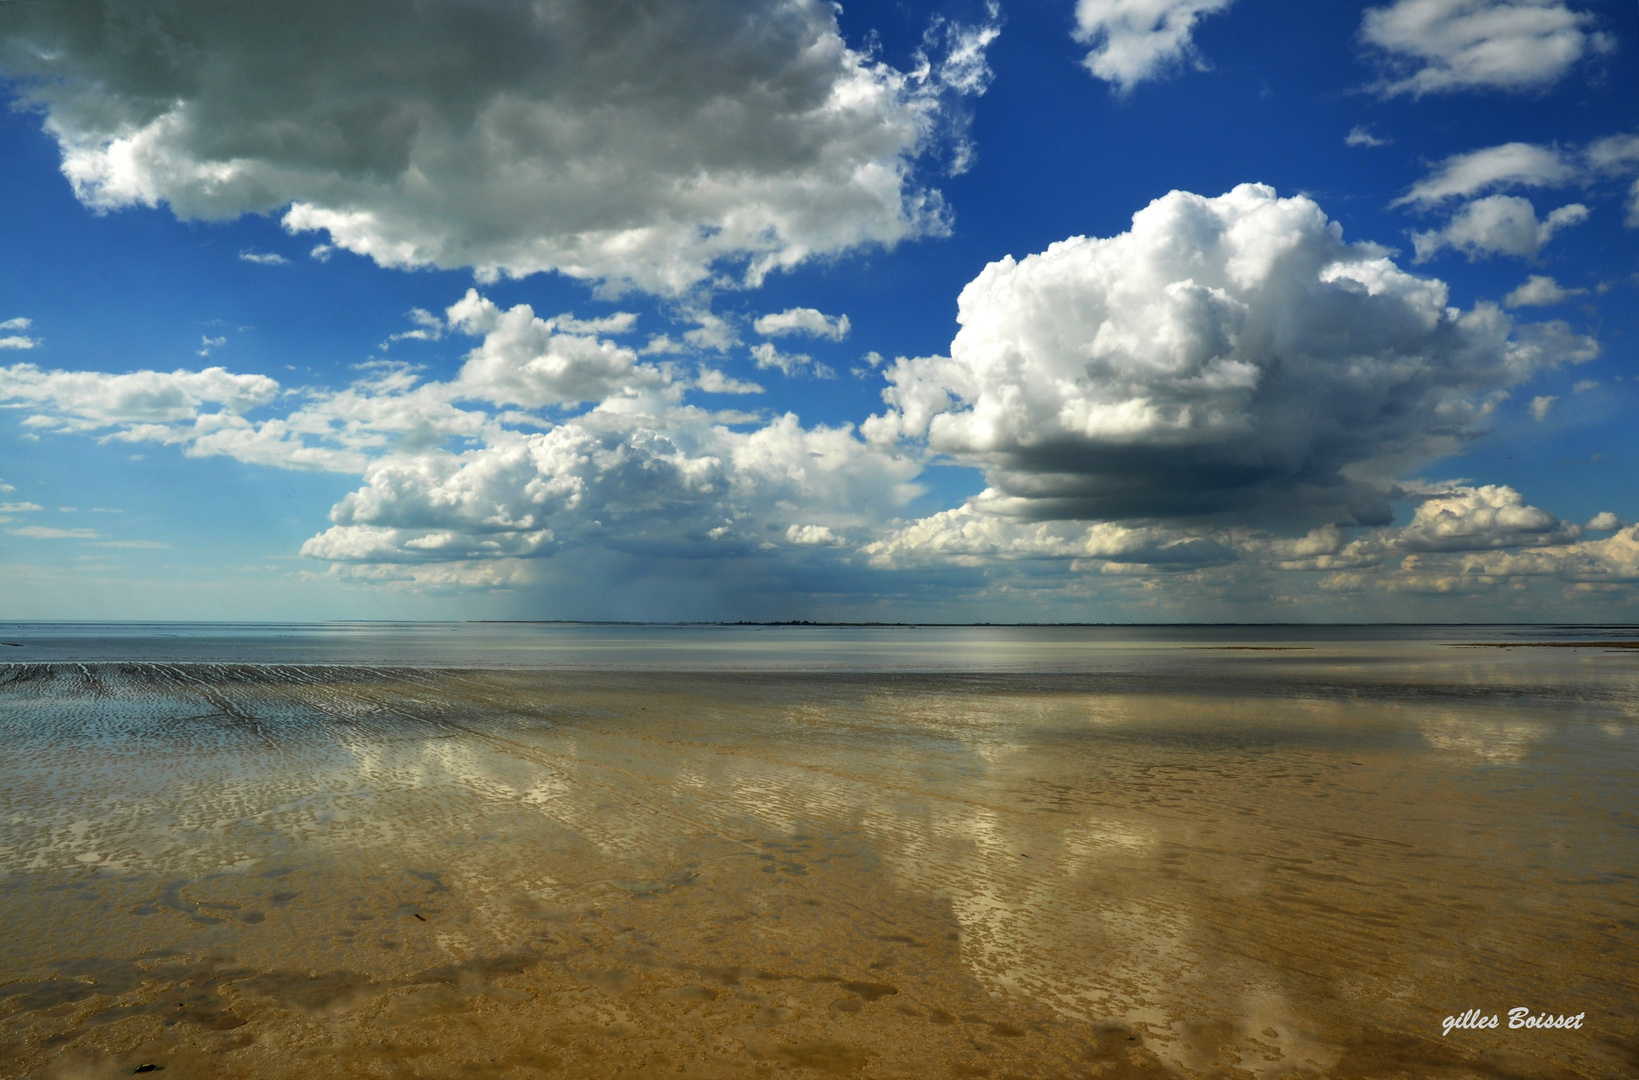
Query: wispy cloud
(1442,46)
(1360,135)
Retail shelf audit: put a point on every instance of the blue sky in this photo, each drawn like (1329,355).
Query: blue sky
(1123,310)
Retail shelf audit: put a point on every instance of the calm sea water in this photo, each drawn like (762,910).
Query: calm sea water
(555,850)
(671,647)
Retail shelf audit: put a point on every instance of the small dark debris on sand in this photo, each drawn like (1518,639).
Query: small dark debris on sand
(1252,648)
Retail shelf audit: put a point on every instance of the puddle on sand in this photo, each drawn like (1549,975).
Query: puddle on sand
(312,872)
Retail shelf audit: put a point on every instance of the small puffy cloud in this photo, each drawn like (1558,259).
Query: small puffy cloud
(1513,164)
(661,345)
(206,344)
(17,507)
(1441,46)
(713,381)
(1604,521)
(1481,518)
(1497,225)
(813,536)
(16,341)
(1614,153)
(261,258)
(1360,135)
(1540,405)
(1539,291)
(1227,357)
(524,361)
(803,321)
(665,147)
(711,331)
(1135,40)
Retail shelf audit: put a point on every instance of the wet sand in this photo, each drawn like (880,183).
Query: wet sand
(1241,863)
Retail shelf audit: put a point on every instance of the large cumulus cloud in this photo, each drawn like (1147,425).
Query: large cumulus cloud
(628,142)
(667,484)
(1228,359)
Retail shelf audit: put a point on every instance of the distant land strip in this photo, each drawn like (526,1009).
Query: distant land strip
(1544,644)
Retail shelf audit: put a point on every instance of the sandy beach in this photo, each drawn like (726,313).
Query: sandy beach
(1201,860)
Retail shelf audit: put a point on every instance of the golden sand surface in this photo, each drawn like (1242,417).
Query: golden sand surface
(1278,866)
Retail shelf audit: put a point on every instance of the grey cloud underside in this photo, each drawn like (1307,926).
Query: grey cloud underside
(630,141)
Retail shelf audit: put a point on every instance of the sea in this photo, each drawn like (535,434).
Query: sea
(589,850)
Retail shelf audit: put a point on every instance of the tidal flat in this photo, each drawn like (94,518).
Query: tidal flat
(869,852)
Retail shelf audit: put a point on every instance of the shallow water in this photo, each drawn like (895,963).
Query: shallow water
(877,852)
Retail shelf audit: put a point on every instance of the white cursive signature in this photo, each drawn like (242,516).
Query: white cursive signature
(1517,1018)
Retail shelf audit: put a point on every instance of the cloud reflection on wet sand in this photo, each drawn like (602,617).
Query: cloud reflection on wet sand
(1268,868)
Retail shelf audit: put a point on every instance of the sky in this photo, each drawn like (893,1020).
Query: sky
(1045,310)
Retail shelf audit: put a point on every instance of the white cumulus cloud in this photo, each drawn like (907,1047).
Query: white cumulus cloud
(524,360)
(16,341)
(656,146)
(1227,357)
(1478,518)
(1497,225)
(713,381)
(1539,290)
(1440,46)
(1135,40)
(1449,523)
(662,484)
(89,400)
(813,536)
(804,320)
